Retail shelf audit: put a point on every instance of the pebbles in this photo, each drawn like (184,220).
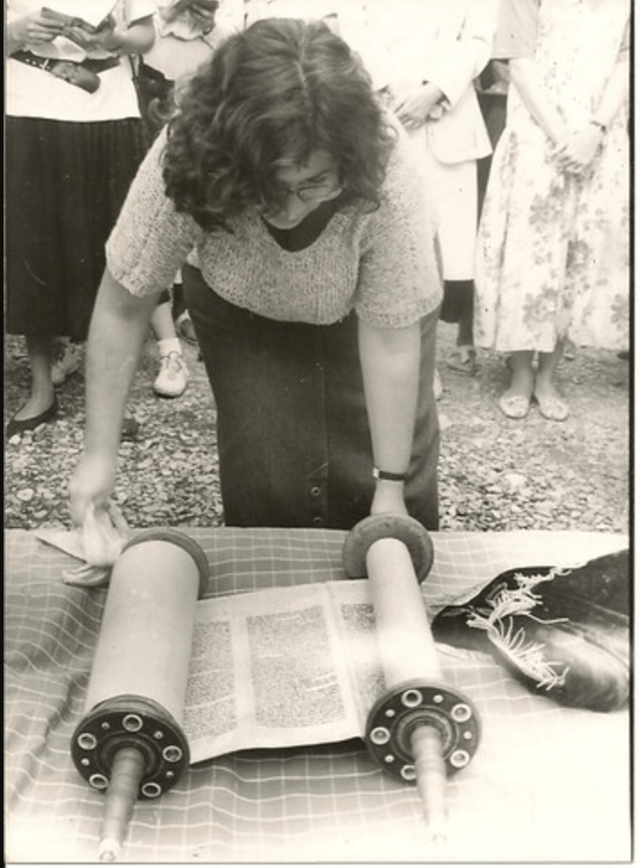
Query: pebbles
(494,474)
(499,475)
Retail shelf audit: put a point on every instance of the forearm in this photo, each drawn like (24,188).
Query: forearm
(580,146)
(524,78)
(118,329)
(453,63)
(136,39)
(390,361)
(28,30)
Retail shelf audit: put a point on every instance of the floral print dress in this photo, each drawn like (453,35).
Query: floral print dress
(553,248)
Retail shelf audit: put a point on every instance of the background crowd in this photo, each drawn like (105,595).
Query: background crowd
(516,113)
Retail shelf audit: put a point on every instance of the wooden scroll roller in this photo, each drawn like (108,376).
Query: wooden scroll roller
(130,742)
(420,730)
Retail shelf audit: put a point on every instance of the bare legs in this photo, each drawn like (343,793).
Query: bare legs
(549,400)
(162,322)
(42,393)
(545,388)
(538,384)
(465,326)
(41,405)
(457,307)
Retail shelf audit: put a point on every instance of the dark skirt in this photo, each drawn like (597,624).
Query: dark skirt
(293,434)
(65,185)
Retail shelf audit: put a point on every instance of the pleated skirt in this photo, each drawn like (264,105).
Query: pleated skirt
(65,185)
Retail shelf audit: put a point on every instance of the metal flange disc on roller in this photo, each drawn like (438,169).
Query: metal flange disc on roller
(404,708)
(376,527)
(131,722)
(130,743)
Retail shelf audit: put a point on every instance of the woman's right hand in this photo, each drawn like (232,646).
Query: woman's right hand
(91,485)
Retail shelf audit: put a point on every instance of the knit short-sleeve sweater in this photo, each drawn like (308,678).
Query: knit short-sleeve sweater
(381,262)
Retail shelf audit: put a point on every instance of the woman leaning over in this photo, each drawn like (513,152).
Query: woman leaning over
(314,293)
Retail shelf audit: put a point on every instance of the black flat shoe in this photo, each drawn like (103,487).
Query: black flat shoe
(19,426)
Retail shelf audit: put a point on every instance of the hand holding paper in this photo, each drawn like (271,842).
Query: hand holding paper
(98,544)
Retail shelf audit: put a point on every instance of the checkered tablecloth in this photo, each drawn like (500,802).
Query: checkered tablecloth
(547,783)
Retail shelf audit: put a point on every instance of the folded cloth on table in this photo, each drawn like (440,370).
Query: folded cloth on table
(98,543)
(562,632)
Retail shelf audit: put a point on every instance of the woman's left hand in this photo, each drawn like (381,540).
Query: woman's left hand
(576,152)
(388,498)
(104,38)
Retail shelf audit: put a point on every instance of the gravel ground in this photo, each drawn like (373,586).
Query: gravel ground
(495,473)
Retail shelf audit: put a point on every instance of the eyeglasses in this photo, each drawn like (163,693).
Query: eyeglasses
(314,193)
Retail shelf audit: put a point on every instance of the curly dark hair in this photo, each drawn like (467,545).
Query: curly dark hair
(272,94)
